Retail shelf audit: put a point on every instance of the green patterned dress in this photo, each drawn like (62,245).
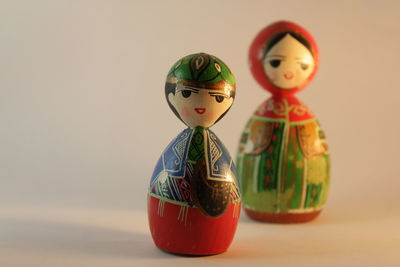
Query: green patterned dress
(283,161)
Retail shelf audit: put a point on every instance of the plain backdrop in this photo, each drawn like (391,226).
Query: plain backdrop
(83,120)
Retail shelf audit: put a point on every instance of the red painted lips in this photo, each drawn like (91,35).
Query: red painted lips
(200,110)
(288,76)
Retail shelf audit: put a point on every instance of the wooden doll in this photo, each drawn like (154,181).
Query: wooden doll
(283,162)
(193,199)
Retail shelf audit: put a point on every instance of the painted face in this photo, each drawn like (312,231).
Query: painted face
(288,64)
(200,107)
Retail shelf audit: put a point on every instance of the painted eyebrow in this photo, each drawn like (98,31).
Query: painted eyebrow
(193,89)
(280,56)
(218,93)
(301,58)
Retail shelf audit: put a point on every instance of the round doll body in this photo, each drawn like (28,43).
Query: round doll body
(283,161)
(194,200)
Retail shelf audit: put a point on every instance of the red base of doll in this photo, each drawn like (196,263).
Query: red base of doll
(275,217)
(185,230)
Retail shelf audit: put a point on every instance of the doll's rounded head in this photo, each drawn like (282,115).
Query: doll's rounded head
(283,58)
(200,89)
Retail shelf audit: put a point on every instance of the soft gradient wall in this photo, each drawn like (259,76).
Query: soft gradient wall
(83,117)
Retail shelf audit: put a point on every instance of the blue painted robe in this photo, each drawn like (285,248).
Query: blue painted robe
(195,158)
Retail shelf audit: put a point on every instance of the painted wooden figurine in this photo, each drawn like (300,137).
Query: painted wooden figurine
(193,199)
(283,161)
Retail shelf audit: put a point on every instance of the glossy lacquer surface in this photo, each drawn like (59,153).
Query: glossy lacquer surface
(283,160)
(194,200)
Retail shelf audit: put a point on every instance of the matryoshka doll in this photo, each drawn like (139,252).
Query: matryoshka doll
(283,161)
(193,199)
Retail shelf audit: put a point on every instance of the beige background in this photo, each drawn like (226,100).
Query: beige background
(83,120)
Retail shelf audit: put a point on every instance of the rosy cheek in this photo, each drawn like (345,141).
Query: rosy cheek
(185,112)
(274,76)
(210,116)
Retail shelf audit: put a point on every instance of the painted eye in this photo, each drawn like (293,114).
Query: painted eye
(303,66)
(219,98)
(275,63)
(186,93)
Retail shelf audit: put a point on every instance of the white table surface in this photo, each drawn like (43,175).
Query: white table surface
(66,236)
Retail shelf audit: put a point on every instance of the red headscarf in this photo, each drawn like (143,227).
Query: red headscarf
(257,48)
